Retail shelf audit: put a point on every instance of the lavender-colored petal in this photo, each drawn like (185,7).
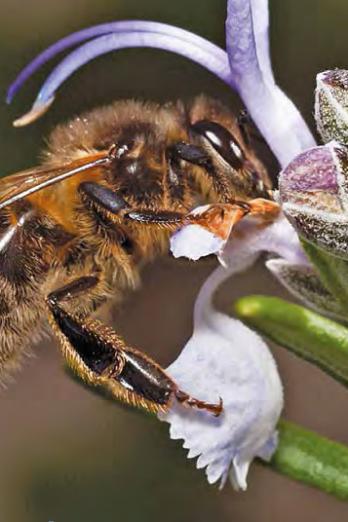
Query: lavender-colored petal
(267,451)
(272,111)
(210,57)
(247,39)
(102,29)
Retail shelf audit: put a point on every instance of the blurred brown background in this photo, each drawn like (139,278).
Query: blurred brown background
(68,455)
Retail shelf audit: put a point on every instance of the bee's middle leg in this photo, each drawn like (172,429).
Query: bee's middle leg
(101,358)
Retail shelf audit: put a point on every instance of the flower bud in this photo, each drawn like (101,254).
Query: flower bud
(313,192)
(331,105)
(303,282)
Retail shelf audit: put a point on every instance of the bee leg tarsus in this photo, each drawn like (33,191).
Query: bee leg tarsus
(186,400)
(163,217)
(100,357)
(87,352)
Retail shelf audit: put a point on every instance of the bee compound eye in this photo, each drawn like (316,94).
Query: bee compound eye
(221,140)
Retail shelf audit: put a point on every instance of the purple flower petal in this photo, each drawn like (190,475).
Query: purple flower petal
(247,45)
(233,441)
(209,56)
(223,358)
(98,30)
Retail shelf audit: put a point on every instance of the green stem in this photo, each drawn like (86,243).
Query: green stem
(314,338)
(312,459)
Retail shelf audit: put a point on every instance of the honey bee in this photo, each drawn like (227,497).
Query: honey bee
(113,185)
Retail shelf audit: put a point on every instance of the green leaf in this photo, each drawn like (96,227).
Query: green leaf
(313,337)
(333,271)
(312,459)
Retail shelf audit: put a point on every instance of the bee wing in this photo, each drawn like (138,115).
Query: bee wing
(22,184)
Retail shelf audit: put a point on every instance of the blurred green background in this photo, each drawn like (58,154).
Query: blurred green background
(66,454)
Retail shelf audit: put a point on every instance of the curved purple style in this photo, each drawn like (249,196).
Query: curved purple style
(213,59)
(246,67)
(103,29)
(209,56)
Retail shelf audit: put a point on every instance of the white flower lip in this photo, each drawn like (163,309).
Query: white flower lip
(225,359)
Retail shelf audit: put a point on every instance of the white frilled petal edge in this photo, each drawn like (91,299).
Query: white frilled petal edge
(225,359)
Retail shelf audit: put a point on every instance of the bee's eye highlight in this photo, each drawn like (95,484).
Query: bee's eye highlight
(222,141)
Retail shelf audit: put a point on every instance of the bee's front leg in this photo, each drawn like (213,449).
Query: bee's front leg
(101,358)
(94,194)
